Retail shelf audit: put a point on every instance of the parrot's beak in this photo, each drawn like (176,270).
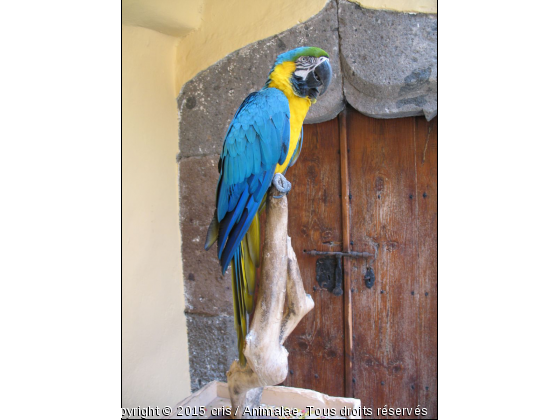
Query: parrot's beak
(319,78)
(323,72)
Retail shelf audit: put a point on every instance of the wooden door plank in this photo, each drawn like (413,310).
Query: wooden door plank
(316,346)
(384,211)
(426,168)
(392,163)
(345,186)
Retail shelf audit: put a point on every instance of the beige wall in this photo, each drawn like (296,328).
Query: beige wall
(155,356)
(170,17)
(230,25)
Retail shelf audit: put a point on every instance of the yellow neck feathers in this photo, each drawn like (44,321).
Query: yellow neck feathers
(280,79)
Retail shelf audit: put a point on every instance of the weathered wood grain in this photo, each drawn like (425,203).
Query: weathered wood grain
(345,203)
(390,349)
(426,168)
(316,346)
(392,167)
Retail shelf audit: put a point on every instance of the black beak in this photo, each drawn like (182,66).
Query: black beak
(323,72)
(320,77)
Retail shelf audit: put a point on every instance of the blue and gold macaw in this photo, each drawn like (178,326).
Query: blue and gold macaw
(264,138)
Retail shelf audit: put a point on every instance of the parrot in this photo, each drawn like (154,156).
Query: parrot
(264,138)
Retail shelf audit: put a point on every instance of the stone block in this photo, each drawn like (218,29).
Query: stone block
(212,348)
(389,61)
(207,291)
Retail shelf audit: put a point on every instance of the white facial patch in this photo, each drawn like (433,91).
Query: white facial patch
(304,65)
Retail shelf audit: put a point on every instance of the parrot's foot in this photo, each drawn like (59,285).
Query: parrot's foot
(282,185)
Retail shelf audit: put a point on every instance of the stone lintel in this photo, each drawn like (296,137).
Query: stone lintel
(389,61)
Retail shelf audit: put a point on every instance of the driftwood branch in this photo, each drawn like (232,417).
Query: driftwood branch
(281,304)
(298,303)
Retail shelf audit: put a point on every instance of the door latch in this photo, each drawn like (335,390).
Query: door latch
(329,270)
(329,274)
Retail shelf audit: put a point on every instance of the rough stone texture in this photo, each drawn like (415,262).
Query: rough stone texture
(212,348)
(208,102)
(208,296)
(389,61)
(206,290)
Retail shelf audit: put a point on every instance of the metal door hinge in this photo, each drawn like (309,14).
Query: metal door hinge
(351,254)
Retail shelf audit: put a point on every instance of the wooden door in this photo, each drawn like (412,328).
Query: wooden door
(392,178)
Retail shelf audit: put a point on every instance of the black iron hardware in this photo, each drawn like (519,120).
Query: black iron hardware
(369,278)
(329,270)
(329,274)
(351,254)
(337,291)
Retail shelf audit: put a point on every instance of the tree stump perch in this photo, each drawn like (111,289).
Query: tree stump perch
(281,304)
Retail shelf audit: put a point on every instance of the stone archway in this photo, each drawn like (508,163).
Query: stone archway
(384,65)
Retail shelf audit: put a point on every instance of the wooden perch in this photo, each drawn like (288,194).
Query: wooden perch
(273,322)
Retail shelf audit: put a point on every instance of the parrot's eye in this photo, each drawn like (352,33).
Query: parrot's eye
(305,60)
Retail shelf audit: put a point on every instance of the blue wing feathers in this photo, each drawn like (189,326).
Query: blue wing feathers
(245,221)
(254,182)
(240,141)
(266,154)
(278,121)
(250,134)
(249,160)
(256,157)
(235,192)
(231,219)
(235,179)
(256,141)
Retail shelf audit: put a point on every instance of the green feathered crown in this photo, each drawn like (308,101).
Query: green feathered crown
(293,55)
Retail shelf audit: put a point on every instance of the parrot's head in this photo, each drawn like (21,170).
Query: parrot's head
(305,71)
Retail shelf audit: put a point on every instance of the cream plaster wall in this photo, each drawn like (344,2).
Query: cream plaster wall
(229,25)
(154,338)
(170,17)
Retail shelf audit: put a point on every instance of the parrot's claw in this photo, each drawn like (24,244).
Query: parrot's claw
(282,185)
